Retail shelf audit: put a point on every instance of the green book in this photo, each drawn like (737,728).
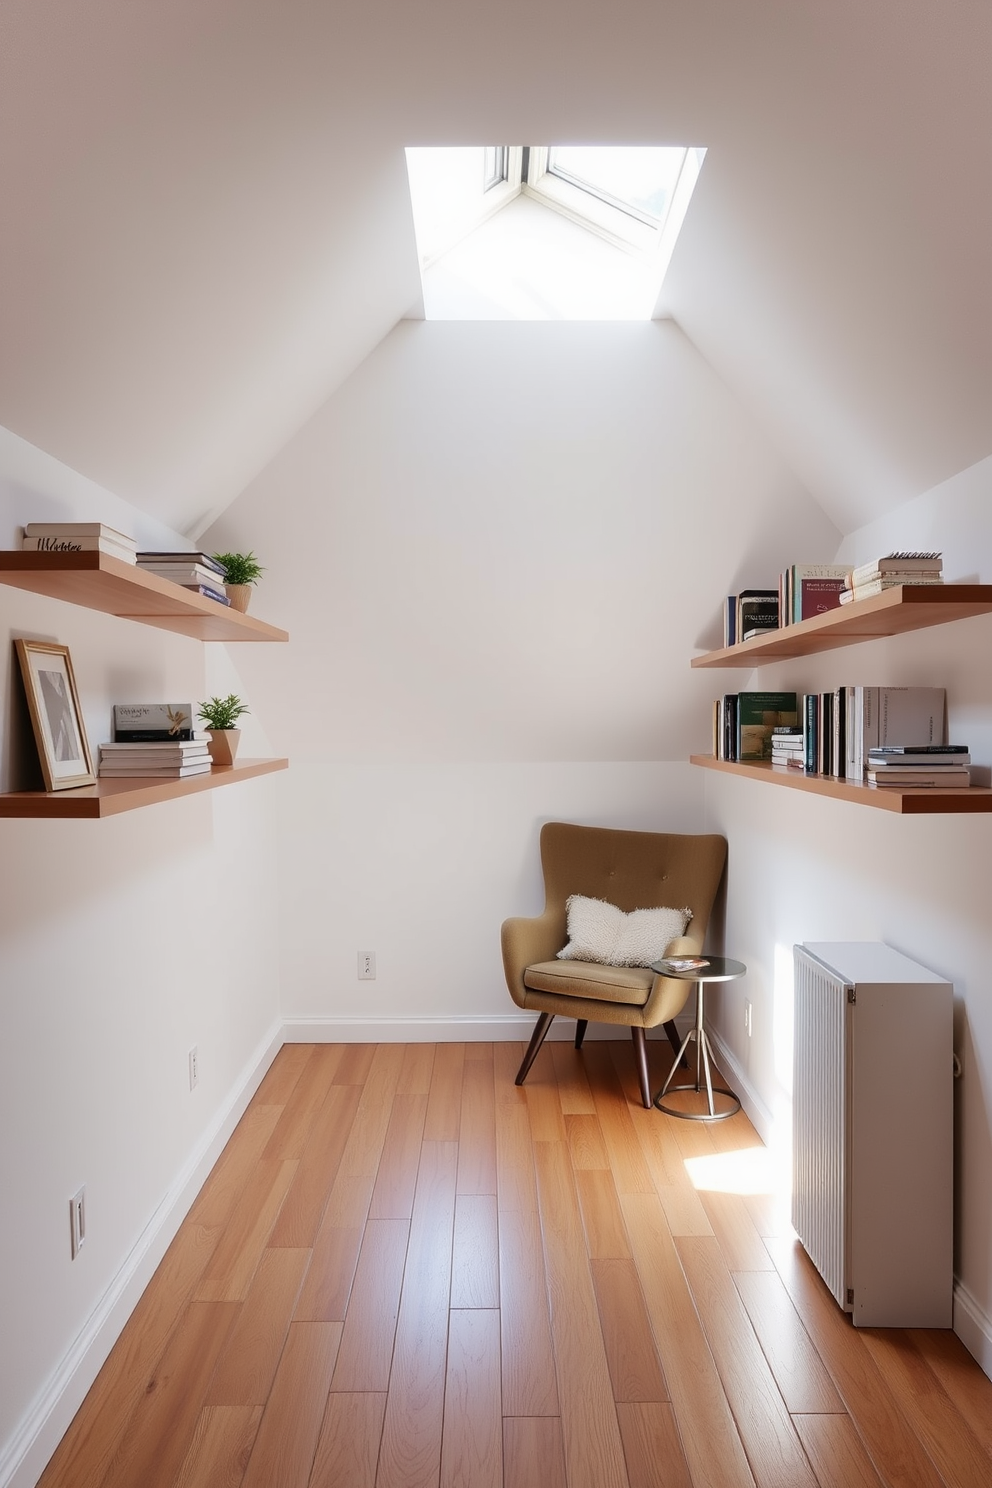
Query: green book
(758,713)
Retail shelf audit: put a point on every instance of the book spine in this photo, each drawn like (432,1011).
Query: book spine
(150,736)
(78,545)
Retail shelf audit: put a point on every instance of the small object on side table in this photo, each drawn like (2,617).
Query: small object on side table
(698,969)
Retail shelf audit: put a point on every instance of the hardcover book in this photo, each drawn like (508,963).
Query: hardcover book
(758,713)
(137,722)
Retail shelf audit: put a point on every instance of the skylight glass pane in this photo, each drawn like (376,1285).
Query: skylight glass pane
(638,178)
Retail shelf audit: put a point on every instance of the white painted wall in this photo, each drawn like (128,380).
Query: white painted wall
(804,868)
(122,943)
(496,548)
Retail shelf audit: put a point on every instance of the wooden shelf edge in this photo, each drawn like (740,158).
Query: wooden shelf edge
(933,801)
(911,607)
(109,797)
(97,581)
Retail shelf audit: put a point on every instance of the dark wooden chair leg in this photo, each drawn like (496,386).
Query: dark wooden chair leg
(544,1022)
(641,1060)
(674,1040)
(581,1024)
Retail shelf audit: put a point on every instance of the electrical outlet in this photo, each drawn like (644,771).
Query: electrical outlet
(366,966)
(77,1222)
(194,1067)
(747,1018)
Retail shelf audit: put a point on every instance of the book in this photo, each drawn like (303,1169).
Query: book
(729,726)
(914,779)
(757,714)
(208,592)
(925,751)
(881,586)
(888,767)
(77,529)
(730,620)
(757,612)
(158,749)
(903,562)
(814,588)
(886,716)
(67,543)
(173,772)
(184,573)
(139,722)
(203,559)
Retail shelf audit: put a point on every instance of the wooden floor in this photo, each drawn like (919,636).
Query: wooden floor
(405,1271)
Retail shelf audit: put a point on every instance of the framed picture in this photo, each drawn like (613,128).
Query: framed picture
(55,716)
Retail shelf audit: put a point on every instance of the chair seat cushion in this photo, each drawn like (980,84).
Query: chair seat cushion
(626,984)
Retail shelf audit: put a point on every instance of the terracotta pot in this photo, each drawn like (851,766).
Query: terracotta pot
(239,595)
(223,745)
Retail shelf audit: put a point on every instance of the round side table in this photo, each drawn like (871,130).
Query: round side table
(706,969)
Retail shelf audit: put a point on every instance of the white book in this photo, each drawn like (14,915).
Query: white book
(66,543)
(76,529)
(173,772)
(184,573)
(154,747)
(914,562)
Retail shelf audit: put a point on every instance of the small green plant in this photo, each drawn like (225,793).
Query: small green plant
(239,568)
(223,713)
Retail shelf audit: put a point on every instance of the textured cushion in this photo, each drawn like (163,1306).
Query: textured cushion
(601,932)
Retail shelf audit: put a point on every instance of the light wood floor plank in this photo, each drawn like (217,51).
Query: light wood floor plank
(683,1209)
(547,1123)
(591,1435)
(770,1441)
(529,1381)
(221,1446)
(348,1446)
(574,1095)
(710,1440)
(228,1274)
(475,1252)
(952,1445)
(602,1220)
(282,1074)
(652,1446)
(247,1366)
(635,1368)
(366,1351)
(444,1102)
(356,1064)
(300,1111)
(661,1151)
(968,1387)
(477,1132)
(217,1199)
(396,1178)
(516,1184)
(586,1146)
(418,1069)
(533,1456)
(799,1371)
(158,1436)
(410,1454)
(631,1173)
(836,1452)
(739,1240)
(304,1206)
(472,1439)
(890,1440)
(287,1438)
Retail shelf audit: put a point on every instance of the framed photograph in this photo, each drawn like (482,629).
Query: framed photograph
(55,716)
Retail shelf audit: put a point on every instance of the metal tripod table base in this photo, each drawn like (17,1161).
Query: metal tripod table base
(722,970)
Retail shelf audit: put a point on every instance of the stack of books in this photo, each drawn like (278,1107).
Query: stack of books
(744,723)
(809,589)
(196,571)
(789,746)
(915,767)
(891,572)
(750,613)
(78,537)
(155,739)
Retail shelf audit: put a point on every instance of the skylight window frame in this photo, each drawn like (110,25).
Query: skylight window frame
(623,226)
(492,199)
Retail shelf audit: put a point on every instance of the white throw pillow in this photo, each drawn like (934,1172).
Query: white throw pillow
(598,931)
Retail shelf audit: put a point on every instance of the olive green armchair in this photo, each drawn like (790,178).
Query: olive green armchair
(633,870)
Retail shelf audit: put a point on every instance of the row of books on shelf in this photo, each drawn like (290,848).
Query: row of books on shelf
(809,589)
(195,571)
(155,739)
(880,736)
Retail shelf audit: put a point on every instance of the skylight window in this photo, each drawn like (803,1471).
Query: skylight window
(489,247)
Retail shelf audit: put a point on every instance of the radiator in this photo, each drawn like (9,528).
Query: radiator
(872,1140)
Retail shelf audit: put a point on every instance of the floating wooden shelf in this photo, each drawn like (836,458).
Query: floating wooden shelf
(100,582)
(112,795)
(911,607)
(930,801)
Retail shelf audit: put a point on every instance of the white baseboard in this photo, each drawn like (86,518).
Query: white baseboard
(973,1326)
(24,1457)
(754,1107)
(493,1028)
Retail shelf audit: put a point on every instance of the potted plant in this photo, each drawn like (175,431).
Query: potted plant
(241,571)
(220,716)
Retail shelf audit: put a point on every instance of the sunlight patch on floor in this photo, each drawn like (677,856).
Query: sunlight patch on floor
(750,1170)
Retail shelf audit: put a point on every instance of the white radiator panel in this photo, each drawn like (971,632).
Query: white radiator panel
(819,1134)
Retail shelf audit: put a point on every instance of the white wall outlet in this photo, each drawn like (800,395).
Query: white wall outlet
(366,966)
(747,1018)
(77,1222)
(194,1067)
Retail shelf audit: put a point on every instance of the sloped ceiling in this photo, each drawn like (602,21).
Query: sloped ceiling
(205,225)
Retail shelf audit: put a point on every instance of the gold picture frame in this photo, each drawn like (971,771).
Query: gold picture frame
(53,703)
